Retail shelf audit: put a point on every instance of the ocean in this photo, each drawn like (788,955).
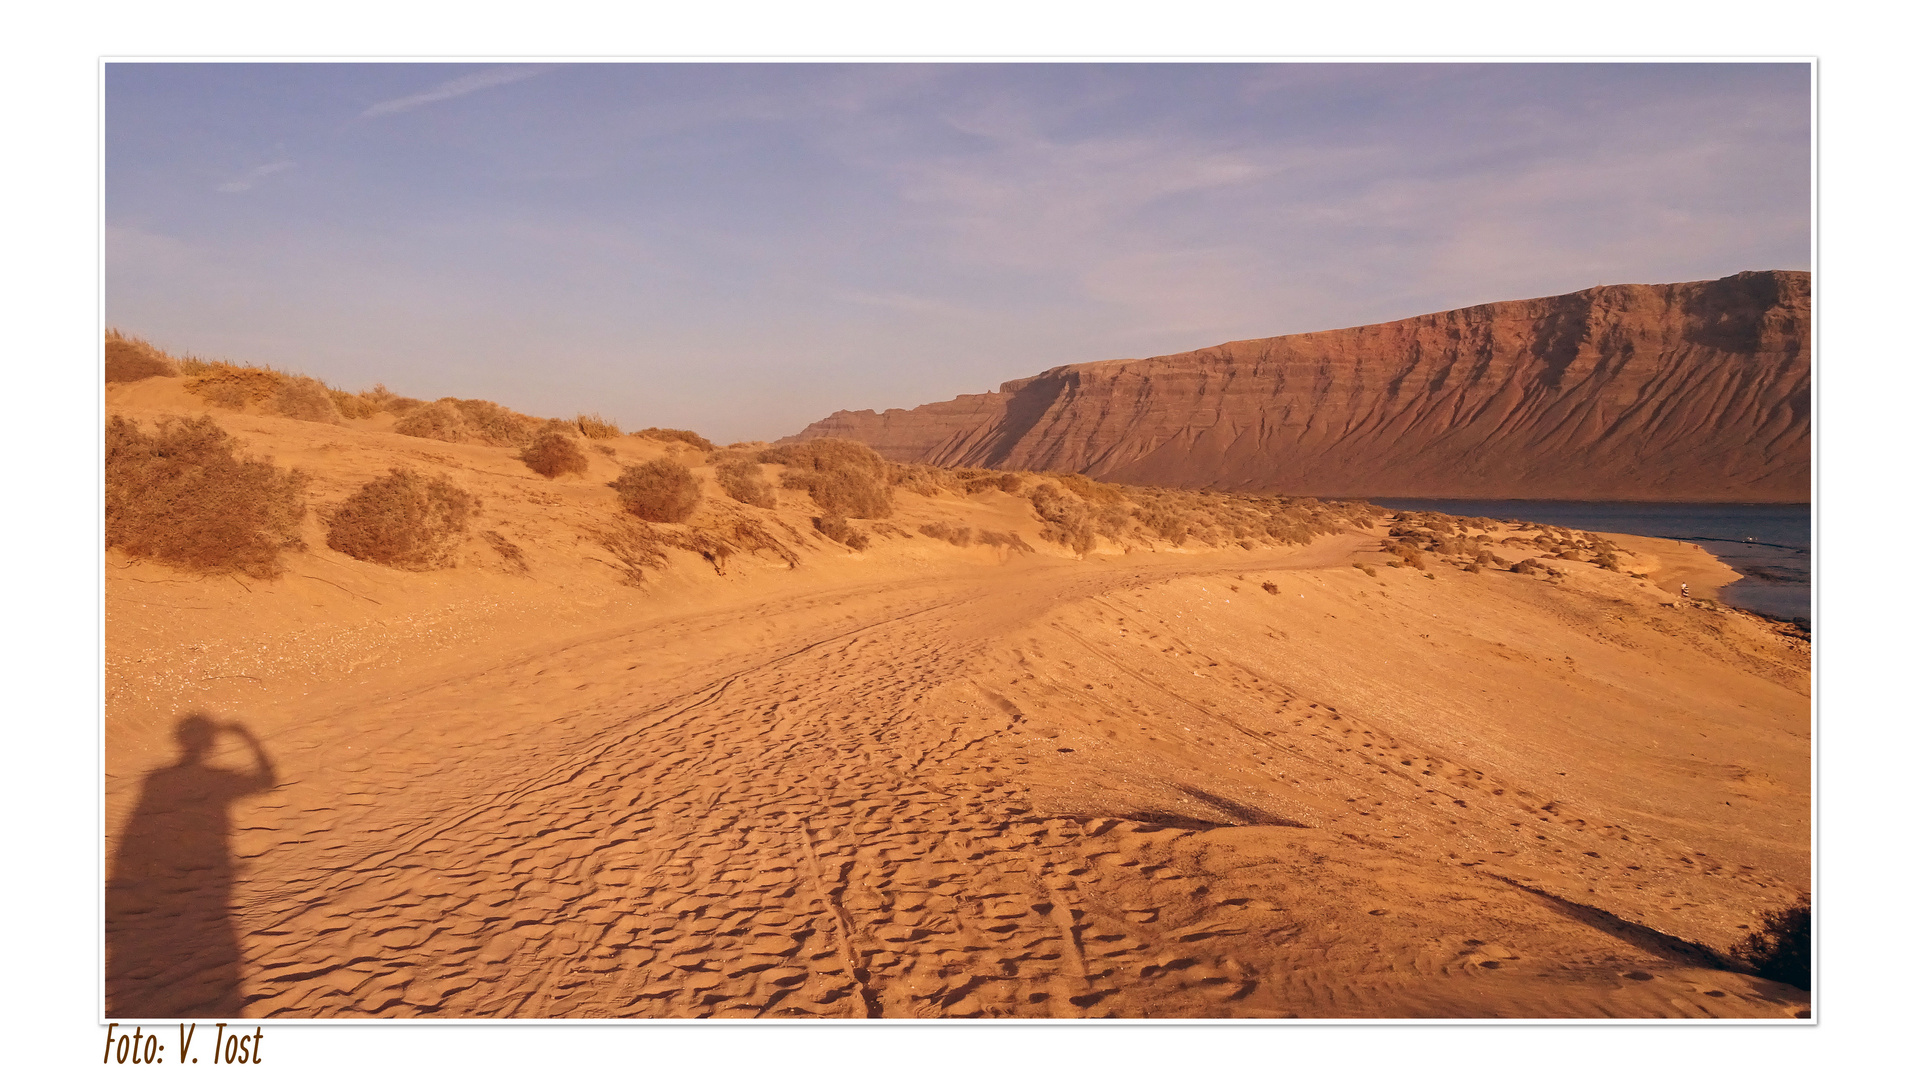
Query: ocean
(1770,544)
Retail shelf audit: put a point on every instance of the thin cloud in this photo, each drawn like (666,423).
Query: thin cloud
(246,180)
(453,88)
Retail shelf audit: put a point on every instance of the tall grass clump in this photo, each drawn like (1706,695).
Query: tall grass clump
(658,490)
(842,476)
(182,496)
(130,359)
(402,520)
(594,426)
(553,453)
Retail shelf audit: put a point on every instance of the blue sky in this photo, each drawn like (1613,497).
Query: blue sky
(741,249)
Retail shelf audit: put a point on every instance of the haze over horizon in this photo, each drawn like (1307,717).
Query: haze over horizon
(744,248)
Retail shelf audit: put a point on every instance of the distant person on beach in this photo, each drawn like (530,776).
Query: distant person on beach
(1684,589)
(172,949)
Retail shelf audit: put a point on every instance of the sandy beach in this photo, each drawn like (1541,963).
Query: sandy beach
(923,780)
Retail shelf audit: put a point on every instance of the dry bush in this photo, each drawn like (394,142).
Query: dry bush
(1009,483)
(301,398)
(183,497)
(744,480)
(496,425)
(1088,489)
(658,490)
(842,476)
(402,520)
(232,387)
(918,479)
(1067,522)
(552,453)
(360,406)
(130,359)
(594,426)
(949,531)
(1780,949)
(834,526)
(439,420)
(690,438)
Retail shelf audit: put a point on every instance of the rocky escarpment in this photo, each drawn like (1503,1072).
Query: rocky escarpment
(1689,392)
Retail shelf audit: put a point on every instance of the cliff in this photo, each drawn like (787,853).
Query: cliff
(1697,391)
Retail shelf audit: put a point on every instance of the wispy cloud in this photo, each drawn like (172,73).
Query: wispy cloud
(452,88)
(246,180)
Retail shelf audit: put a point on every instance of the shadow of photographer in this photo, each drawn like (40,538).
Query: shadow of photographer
(172,949)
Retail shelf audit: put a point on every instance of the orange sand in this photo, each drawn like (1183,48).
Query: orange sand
(925,781)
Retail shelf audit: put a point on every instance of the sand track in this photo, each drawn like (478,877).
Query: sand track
(1047,788)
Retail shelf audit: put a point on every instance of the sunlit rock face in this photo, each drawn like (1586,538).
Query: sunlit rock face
(1697,391)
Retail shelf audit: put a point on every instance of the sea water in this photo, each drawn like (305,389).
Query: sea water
(1768,543)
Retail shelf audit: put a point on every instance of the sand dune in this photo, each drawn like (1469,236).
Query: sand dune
(930,781)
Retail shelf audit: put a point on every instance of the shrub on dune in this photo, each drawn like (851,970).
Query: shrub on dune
(658,490)
(439,420)
(744,481)
(842,476)
(552,453)
(182,496)
(402,520)
(301,398)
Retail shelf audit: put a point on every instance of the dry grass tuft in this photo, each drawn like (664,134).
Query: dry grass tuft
(594,426)
(949,531)
(636,545)
(182,496)
(402,520)
(130,359)
(658,490)
(843,477)
(552,453)
(510,553)
(690,438)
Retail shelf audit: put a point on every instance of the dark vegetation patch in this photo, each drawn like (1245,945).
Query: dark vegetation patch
(402,520)
(182,496)
(1780,949)
(659,490)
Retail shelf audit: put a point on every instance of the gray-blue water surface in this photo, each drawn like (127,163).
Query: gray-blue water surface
(1768,543)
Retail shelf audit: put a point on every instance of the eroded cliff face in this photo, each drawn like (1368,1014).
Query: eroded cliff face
(1690,392)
